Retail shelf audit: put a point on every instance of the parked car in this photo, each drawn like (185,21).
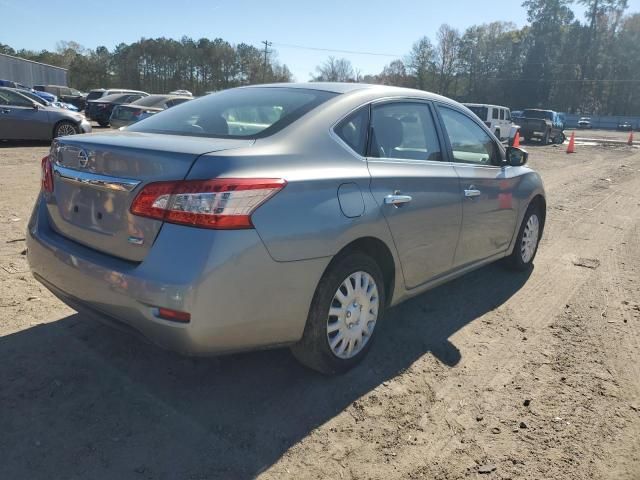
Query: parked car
(98,93)
(126,114)
(288,214)
(100,110)
(65,94)
(544,125)
(584,122)
(625,126)
(44,95)
(12,84)
(22,118)
(497,118)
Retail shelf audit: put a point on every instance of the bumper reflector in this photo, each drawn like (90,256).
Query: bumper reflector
(173,315)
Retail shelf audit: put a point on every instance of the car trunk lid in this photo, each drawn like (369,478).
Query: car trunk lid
(97,177)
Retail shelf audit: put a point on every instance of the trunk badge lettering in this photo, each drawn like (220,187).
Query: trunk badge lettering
(135,240)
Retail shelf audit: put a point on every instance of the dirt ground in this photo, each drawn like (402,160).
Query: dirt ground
(496,375)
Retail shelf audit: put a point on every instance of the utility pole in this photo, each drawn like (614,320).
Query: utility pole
(267,44)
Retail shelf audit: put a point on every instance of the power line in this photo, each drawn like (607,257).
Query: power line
(332,50)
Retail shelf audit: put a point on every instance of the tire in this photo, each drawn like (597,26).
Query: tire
(559,139)
(103,124)
(519,260)
(314,349)
(65,128)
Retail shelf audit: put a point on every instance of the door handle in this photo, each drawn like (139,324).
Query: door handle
(472,192)
(397,200)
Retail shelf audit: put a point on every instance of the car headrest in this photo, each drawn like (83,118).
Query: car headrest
(215,125)
(388,132)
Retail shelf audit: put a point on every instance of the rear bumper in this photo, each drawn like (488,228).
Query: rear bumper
(239,298)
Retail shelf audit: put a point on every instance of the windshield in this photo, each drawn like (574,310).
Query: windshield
(481,112)
(237,113)
(541,114)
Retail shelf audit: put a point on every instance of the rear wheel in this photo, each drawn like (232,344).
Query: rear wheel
(345,314)
(103,124)
(527,240)
(65,128)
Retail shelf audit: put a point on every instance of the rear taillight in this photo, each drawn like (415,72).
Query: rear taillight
(222,203)
(47,175)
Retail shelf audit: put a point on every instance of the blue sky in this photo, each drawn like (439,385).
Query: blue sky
(380,26)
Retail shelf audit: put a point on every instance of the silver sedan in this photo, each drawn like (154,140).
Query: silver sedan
(22,118)
(290,214)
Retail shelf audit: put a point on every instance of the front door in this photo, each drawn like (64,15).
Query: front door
(489,210)
(418,192)
(20,120)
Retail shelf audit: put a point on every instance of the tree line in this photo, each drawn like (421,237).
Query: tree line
(162,64)
(558,61)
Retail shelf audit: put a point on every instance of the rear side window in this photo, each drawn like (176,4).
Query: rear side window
(251,112)
(494,113)
(404,130)
(353,130)
(501,114)
(94,95)
(469,142)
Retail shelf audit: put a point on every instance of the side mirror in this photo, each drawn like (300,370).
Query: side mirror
(516,157)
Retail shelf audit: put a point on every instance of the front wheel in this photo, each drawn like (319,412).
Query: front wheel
(345,314)
(65,128)
(526,247)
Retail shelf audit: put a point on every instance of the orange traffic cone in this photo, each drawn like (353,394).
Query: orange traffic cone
(630,141)
(516,140)
(572,143)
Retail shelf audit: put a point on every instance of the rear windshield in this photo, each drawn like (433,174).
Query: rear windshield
(538,114)
(481,112)
(151,101)
(94,95)
(238,113)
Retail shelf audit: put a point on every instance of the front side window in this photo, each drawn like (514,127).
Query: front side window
(252,112)
(507,115)
(469,142)
(353,130)
(494,113)
(404,130)
(7,97)
(501,114)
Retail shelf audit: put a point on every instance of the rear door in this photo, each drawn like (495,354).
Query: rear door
(489,213)
(418,192)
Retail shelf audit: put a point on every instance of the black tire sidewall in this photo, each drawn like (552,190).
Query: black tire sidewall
(314,350)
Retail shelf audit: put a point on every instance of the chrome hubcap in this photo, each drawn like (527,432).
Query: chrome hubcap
(352,315)
(530,238)
(65,130)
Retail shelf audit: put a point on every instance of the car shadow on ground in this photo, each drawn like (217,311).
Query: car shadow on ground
(24,143)
(87,401)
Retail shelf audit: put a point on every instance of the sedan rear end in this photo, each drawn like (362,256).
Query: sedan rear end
(126,229)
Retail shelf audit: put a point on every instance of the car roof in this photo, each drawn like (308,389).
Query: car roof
(466,104)
(375,91)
